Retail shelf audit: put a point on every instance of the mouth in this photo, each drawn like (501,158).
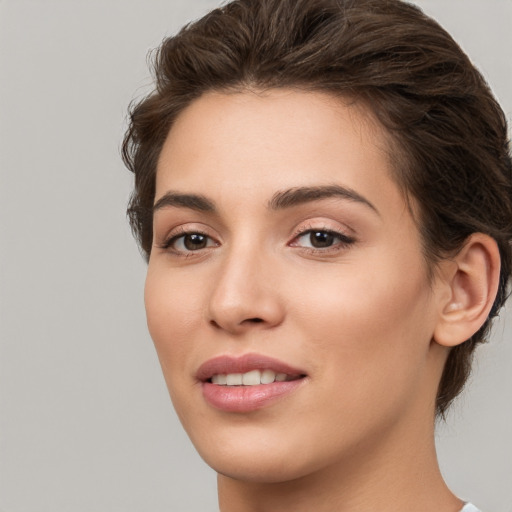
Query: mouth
(252,378)
(247,383)
(247,370)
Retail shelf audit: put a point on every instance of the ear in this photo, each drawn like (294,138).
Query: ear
(469,283)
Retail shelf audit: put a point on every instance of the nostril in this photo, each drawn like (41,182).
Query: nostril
(214,323)
(218,325)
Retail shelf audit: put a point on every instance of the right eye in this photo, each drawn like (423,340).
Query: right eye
(189,242)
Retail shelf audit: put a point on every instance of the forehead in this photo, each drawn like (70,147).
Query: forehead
(244,136)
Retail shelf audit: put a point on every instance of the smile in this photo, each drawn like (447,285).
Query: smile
(247,383)
(252,378)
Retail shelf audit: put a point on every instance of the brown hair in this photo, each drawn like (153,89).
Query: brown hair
(448,133)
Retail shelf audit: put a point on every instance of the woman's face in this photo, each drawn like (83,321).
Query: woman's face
(283,251)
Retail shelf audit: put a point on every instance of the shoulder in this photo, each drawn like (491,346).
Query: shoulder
(468,507)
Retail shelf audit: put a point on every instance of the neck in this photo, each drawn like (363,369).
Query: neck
(398,475)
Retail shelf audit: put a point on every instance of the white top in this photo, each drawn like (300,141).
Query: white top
(469,508)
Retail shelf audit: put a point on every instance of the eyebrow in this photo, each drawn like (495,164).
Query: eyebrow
(300,195)
(192,201)
(280,200)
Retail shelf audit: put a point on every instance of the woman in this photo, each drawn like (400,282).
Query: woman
(323,193)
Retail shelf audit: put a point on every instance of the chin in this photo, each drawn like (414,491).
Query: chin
(264,469)
(250,453)
(261,455)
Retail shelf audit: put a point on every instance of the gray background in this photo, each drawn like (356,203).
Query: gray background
(85,421)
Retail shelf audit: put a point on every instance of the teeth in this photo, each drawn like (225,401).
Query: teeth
(219,379)
(252,378)
(267,376)
(234,379)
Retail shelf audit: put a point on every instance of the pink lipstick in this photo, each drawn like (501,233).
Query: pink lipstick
(247,383)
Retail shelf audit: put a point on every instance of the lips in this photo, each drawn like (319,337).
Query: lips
(224,365)
(247,383)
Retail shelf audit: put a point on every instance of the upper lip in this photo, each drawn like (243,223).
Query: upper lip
(223,365)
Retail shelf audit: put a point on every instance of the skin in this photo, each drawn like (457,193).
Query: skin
(360,317)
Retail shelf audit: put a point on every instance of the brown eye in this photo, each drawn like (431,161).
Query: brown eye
(319,239)
(195,241)
(189,242)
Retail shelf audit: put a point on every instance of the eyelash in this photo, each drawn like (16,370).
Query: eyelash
(343,241)
(182,233)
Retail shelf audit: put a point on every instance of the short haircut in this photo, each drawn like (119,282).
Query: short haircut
(448,135)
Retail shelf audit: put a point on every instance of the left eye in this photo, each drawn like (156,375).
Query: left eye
(321,239)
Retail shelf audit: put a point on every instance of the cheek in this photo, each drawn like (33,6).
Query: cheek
(371,331)
(172,313)
(173,316)
(350,303)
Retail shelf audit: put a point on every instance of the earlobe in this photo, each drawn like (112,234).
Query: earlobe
(471,281)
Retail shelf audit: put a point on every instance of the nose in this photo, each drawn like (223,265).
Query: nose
(245,295)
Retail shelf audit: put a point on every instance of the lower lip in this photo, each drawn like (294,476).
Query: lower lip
(247,398)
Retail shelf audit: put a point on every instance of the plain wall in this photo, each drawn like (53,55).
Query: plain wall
(85,421)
